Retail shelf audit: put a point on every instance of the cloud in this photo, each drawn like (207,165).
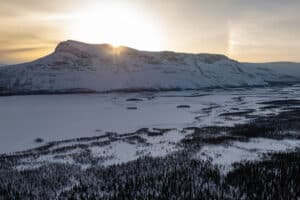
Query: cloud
(18,55)
(20,50)
(22,7)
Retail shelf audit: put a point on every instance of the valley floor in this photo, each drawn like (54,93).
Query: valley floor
(212,144)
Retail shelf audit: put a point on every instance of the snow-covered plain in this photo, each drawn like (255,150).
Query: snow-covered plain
(61,117)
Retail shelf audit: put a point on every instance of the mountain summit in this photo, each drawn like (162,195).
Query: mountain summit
(80,67)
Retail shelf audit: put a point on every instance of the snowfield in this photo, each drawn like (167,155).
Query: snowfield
(79,67)
(225,156)
(60,117)
(115,134)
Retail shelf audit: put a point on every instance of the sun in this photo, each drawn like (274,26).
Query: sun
(119,25)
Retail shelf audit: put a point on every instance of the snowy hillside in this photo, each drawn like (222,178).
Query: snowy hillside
(80,67)
(287,68)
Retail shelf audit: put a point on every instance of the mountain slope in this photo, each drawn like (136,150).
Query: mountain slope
(79,67)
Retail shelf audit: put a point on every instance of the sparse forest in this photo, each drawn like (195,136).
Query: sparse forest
(176,176)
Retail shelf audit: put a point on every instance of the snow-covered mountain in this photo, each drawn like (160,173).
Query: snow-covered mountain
(81,67)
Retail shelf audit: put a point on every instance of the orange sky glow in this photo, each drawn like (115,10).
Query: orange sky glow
(244,30)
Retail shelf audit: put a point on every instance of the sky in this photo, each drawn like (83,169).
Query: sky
(246,30)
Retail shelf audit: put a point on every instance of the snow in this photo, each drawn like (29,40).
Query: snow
(76,65)
(287,68)
(122,151)
(60,117)
(25,167)
(34,163)
(235,152)
(116,152)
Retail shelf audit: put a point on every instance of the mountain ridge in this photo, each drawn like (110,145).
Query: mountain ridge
(81,67)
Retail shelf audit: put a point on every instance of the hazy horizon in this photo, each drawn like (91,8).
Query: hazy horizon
(247,31)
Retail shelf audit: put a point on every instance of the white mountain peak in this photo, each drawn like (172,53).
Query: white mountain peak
(77,66)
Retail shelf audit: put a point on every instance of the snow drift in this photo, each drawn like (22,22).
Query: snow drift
(81,67)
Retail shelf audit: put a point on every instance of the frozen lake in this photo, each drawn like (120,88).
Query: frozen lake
(59,117)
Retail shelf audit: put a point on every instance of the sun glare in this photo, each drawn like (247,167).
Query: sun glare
(118,25)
